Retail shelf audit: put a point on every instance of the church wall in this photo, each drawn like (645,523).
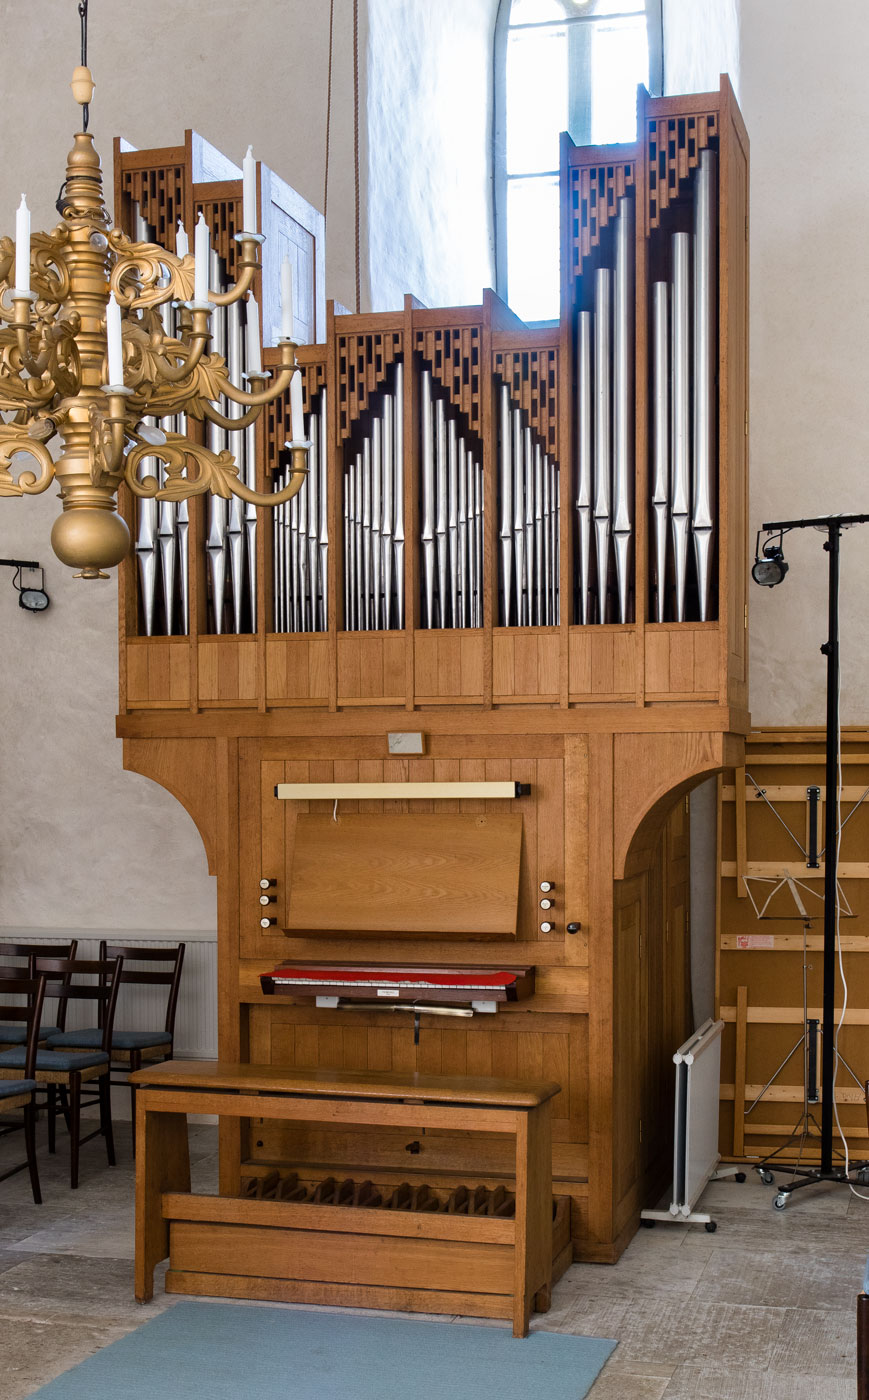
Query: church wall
(84,845)
(701,40)
(806,105)
(429,151)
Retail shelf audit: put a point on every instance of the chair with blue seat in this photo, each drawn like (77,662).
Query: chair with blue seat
(16,1033)
(68,1069)
(130,1049)
(21,1091)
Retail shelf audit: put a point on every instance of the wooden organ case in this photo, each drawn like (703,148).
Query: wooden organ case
(527,546)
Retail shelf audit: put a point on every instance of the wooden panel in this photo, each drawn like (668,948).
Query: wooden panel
(448,666)
(227,671)
(682,661)
(602,664)
(297,669)
(158,673)
(371,667)
(525,666)
(419,874)
(333,1258)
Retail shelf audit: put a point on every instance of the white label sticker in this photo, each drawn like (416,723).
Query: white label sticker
(387,991)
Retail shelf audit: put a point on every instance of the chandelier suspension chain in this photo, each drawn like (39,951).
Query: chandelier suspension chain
(356,144)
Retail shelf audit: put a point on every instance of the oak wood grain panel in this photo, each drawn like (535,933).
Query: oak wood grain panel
(602,664)
(525,666)
(423,874)
(227,671)
(158,673)
(449,666)
(297,668)
(371,667)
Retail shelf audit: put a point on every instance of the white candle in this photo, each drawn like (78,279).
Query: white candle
(254,352)
(115,345)
(182,243)
(286,300)
(248,193)
(22,247)
(202,250)
(297,408)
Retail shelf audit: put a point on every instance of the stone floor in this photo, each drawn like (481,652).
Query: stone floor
(761,1310)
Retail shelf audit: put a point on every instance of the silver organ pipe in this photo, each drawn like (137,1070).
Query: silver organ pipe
(705,339)
(660,438)
(602,434)
(529,522)
(374,519)
(680,486)
(300,536)
(451,515)
(584,461)
(623,401)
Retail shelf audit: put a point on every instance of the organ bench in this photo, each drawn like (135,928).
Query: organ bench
(432,1260)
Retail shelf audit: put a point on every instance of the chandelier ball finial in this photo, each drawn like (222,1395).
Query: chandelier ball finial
(90,539)
(82,85)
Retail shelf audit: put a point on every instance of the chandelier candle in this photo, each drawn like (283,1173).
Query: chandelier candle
(254,351)
(248,192)
(287,301)
(182,243)
(22,247)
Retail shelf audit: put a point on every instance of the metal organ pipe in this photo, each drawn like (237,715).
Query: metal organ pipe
(680,486)
(428,499)
(602,433)
(705,223)
(660,437)
(301,536)
(529,515)
(584,458)
(623,401)
(506,525)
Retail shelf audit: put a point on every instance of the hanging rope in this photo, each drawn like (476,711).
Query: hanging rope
(83,16)
(328,106)
(356,142)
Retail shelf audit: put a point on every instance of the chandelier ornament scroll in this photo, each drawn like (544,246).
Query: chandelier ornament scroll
(84,357)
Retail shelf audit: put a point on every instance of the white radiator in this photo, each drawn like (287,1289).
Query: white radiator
(695,1130)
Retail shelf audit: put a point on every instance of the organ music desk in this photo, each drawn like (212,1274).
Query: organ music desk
(291,1251)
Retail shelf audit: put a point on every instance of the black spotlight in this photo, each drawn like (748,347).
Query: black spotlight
(770,565)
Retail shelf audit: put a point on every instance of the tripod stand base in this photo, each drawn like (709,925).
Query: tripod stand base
(814,1176)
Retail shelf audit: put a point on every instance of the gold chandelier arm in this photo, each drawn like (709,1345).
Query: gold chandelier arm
(216,472)
(12,442)
(247,272)
(147,275)
(232,425)
(189,354)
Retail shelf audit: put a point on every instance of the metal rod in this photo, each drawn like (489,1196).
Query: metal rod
(441,507)
(680,486)
(428,499)
(703,520)
(323,536)
(235,442)
(537,614)
(602,433)
(376,519)
(367,611)
(464,577)
(506,526)
(623,401)
(660,437)
(312,489)
(530,496)
(216,441)
(388,511)
(478,521)
(398,493)
(584,459)
(453,520)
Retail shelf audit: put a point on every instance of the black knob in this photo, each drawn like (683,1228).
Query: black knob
(574,928)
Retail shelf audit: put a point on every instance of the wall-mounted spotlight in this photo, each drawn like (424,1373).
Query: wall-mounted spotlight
(31,597)
(770,565)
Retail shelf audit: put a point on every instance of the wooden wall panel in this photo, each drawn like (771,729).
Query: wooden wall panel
(525,666)
(372,668)
(449,667)
(158,674)
(228,671)
(602,664)
(297,670)
(682,661)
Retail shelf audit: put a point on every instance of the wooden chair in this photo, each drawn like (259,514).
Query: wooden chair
(21,1092)
(130,1049)
(16,1034)
(68,1069)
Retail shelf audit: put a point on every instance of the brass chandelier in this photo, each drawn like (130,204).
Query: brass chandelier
(84,357)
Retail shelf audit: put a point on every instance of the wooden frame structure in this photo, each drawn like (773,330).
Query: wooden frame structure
(609,726)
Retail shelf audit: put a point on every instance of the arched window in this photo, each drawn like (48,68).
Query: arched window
(560,65)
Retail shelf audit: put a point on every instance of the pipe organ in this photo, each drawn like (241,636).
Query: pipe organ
(519,558)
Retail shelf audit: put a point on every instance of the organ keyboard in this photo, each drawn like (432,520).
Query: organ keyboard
(388,987)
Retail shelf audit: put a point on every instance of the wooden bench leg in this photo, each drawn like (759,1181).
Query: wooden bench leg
(162,1164)
(533,1248)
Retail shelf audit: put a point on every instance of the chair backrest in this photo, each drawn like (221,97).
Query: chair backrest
(29,951)
(171,978)
(33,988)
(59,973)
